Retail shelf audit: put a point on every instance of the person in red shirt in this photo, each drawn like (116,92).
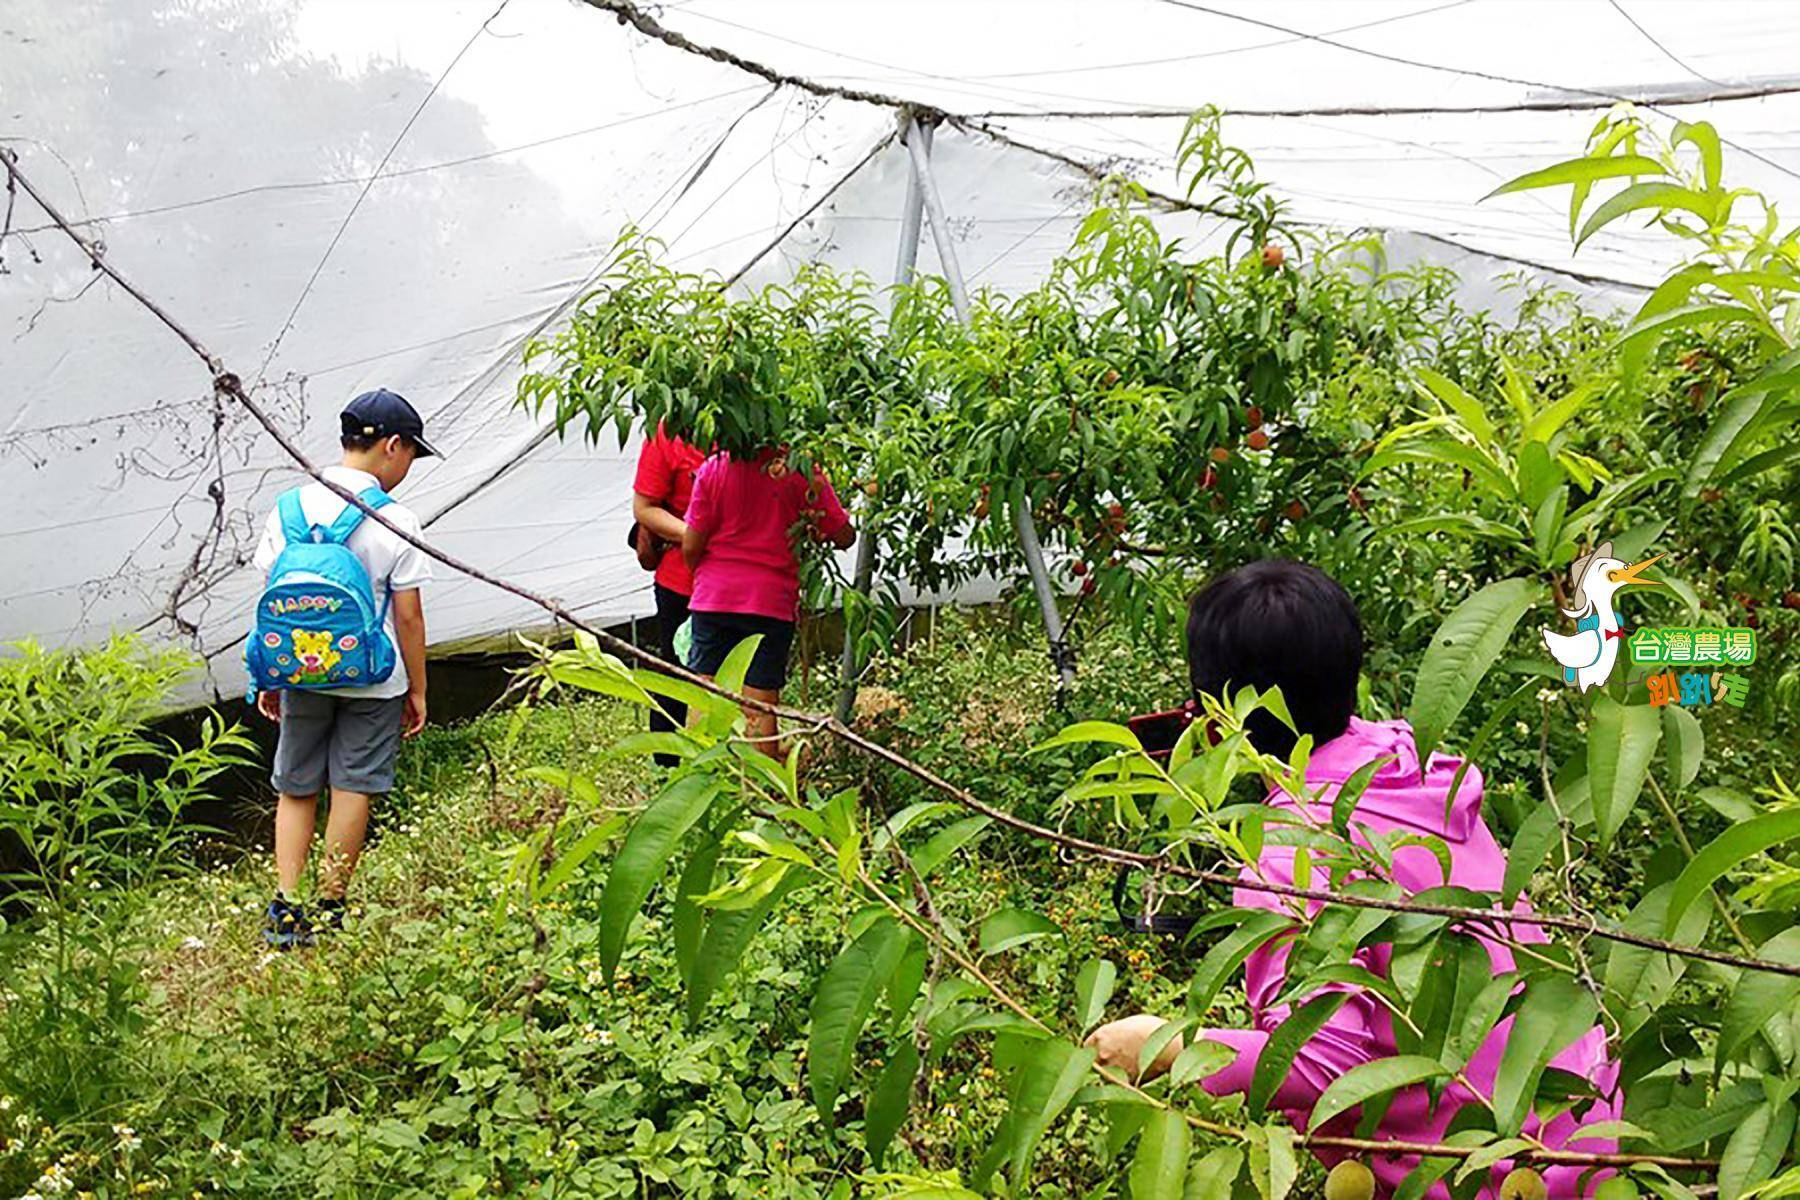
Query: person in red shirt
(659,500)
(741,524)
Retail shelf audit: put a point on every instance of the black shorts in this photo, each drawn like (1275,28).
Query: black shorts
(717,634)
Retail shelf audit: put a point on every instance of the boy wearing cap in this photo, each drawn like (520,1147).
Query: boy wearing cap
(348,738)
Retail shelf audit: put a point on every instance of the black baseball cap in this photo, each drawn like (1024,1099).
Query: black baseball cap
(382,413)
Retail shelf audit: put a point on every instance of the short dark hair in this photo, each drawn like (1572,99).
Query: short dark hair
(368,441)
(1278,623)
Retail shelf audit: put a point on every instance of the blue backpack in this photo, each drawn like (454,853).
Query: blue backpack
(317,624)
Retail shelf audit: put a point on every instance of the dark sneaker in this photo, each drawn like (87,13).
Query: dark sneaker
(328,916)
(287,926)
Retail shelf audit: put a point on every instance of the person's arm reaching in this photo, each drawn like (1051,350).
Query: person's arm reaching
(830,523)
(649,512)
(409,630)
(697,526)
(1346,1041)
(693,547)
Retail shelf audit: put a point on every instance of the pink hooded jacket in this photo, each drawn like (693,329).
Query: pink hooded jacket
(1400,798)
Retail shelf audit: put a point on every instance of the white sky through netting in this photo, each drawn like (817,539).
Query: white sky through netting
(343,194)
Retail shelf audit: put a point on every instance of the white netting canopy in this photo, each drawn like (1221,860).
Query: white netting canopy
(342,194)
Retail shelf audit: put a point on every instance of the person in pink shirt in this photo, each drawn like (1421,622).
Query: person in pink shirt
(1290,625)
(743,521)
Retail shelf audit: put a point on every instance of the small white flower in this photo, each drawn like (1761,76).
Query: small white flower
(128,1138)
(55,1180)
(605,1037)
(268,957)
(1546,696)
(192,943)
(596,977)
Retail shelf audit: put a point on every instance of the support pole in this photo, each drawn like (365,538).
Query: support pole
(1060,655)
(906,261)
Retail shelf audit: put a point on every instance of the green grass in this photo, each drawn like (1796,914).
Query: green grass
(452,1043)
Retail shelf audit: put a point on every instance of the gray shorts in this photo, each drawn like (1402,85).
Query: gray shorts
(350,744)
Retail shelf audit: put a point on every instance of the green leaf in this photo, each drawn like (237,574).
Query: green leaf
(1344,972)
(570,860)
(1686,743)
(1278,1052)
(908,979)
(1464,524)
(889,1100)
(907,817)
(1213,1176)
(1647,330)
(1159,1171)
(1580,170)
(1083,732)
(1343,805)
(1621,742)
(1730,803)
(1755,1149)
(1485,1158)
(1045,1084)
(1460,402)
(1229,953)
(1531,847)
(728,934)
(1157,1042)
(577,785)
(736,666)
(1368,1080)
(1431,1170)
(841,1007)
(643,856)
(1462,651)
(1612,1130)
(1273,1167)
(1198,1060)
(1638,979)
(1479,1018)
(1704,138)
(1736,411)
(1734,847)
(1758,996)
(1014,927)
(1661,196)
(641,744)
(1093,988)
(1555,1011)
(947,841)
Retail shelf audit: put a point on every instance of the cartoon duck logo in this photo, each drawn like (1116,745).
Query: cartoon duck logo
(313,650)
(1587,655)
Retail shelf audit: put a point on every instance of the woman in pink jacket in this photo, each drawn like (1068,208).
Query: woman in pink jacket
(1289,625)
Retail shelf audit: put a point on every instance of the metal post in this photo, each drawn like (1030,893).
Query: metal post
(906,261)
(1060,655)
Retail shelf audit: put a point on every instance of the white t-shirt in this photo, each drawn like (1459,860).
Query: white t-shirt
(390,561)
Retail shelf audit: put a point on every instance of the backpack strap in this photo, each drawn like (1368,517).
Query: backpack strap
(339,531)
(293,518)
